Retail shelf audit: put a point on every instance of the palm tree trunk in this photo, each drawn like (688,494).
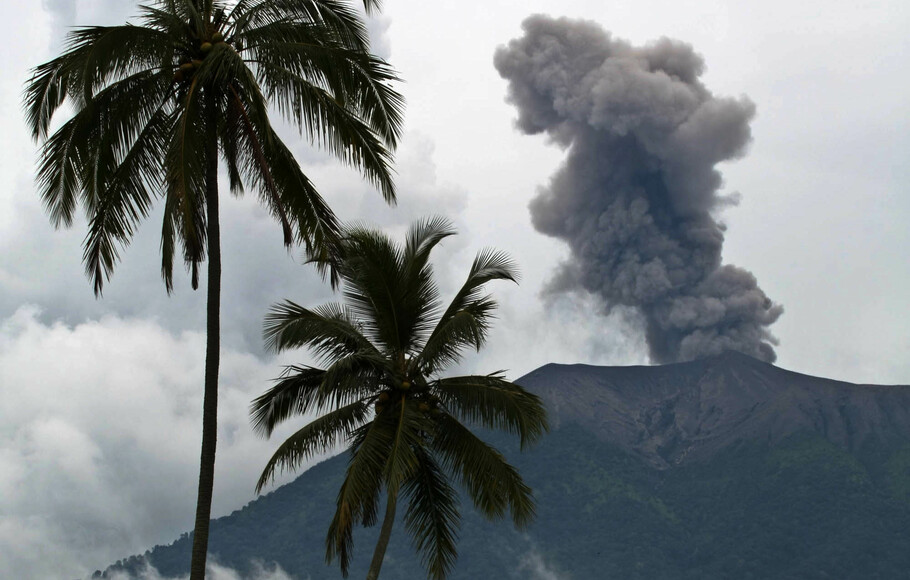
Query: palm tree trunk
(212,358)
(384,535)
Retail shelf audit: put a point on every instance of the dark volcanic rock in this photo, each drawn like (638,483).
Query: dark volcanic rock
(675,413)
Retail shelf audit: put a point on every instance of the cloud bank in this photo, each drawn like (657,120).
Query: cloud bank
(636,197)
(214,572)
(99,440)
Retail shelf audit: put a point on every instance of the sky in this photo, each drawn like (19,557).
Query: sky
(100,400)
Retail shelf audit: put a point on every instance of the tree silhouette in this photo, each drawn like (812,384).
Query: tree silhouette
(380,393)
(155,103)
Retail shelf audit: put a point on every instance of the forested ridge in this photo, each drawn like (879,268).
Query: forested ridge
(803,506)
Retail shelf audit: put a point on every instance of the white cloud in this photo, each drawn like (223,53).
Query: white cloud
(216,572)
(99,438)
(534,567)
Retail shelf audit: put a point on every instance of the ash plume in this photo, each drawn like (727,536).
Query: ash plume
(635,197)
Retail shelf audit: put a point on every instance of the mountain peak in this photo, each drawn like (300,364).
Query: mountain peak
(670,414)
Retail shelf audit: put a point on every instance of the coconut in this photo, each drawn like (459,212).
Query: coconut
(217,37)
(405,385)
(379,407)
(186,67)
(178,76)
(383,397)
(196,63)
(206,47)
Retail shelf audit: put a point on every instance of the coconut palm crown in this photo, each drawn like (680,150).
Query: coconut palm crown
(155,104)
(380,394)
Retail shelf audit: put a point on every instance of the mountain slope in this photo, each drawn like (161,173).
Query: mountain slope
(689,411)
(719,468)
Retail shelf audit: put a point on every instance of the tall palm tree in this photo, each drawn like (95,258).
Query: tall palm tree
(153,104)
(381,394)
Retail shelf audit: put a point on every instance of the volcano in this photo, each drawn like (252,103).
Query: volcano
(723,467)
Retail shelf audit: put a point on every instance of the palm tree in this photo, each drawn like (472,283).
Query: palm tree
(154,104)
(380,392)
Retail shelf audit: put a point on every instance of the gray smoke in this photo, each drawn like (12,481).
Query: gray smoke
(635,196)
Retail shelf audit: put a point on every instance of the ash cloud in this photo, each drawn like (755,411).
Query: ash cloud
(636,196)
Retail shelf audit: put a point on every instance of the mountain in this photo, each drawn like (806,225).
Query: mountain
(724,467)
(676,413)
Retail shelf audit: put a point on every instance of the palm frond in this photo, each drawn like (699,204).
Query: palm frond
(489,264)
(93,58)
(494,402)
(300,390)
(44,94)
(319,436)
(353,376)
(468,317)
(294,393)
(87,154)
(329,330)
(466,329)
(82,153)
(60,167)
(232,132)
(125,200)
(360,82)
(175,19)
(98,55)
(169,226)
(358,497)
(345,24)
(420,298)
(407,438)
(185,176)
(117,115)
(372,5)
(371,270)
(389,288)
(256,163)
(493,485)
(424,235)
(314,222)
(331,125)
(432,517)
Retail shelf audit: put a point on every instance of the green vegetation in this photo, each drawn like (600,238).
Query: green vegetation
(156,102)
(740,515)
(381,395)
(898,470)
